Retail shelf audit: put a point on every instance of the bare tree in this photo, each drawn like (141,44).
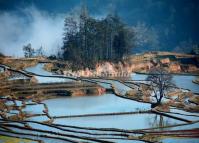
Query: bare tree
(39,52)
(161,81)
(28,51)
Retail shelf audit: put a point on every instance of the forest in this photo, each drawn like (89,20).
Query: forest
(88,41)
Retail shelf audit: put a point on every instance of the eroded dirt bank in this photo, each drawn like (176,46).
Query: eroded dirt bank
(172,62)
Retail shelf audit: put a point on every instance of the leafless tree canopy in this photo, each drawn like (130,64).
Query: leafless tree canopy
(161,81)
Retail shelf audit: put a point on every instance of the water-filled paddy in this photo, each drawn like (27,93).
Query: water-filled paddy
(182,81)
(106,103)
(38,69)
(134,121)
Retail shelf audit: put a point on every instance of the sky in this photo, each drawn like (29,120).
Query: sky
(158,24)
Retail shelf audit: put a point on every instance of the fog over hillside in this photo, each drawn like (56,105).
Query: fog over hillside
(38,28)
(158,25)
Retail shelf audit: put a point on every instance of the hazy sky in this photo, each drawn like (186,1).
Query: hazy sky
(159,24)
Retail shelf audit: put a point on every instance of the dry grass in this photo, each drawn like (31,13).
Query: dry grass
(49,66)
(192,109)
(19,63)
(163,107)
(132,93)
(6,139)
(194,99)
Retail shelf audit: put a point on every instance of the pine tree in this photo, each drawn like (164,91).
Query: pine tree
(91,41)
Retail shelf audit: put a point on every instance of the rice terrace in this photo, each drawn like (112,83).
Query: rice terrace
(99,71)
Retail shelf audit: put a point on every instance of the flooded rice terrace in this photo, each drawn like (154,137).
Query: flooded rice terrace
(182,81)
(110,117)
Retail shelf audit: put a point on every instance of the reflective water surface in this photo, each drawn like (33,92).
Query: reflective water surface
(181,81)
(110,103)
(38,69)
(134,121)
(106,103)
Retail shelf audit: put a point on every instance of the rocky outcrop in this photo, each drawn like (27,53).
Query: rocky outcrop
(89,91)
(106,69)
(192,68)
(134,63)
(174,67)
(196,81)
(141,66)
(48,66)
(33,80)
(165,61)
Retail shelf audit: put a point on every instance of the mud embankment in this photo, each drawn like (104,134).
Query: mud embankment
(174,64)
(19,63)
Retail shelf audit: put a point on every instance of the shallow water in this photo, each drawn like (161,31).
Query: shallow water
(125,141)
(134,121)
(186,115)
(180,140)
(182,112)
(106,103)
(186,82)
(38,69)
(110,103)
(186,127)
(104,85)
(38,118)
(182,81)
(34,109)
(52,79)
(119,86)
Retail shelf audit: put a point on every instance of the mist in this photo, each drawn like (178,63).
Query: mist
(33,26)
(158,25)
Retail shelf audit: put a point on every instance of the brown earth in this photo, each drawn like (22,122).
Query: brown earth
(134,63)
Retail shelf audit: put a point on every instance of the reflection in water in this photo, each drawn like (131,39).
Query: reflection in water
(133,121)
(107,103)
(158,121)
(177,79)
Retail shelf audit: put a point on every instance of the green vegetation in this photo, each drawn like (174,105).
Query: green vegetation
(88,40)
(7,139)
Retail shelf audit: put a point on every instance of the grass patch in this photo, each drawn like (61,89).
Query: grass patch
(7,139)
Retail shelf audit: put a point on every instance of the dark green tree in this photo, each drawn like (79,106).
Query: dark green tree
(88,40)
